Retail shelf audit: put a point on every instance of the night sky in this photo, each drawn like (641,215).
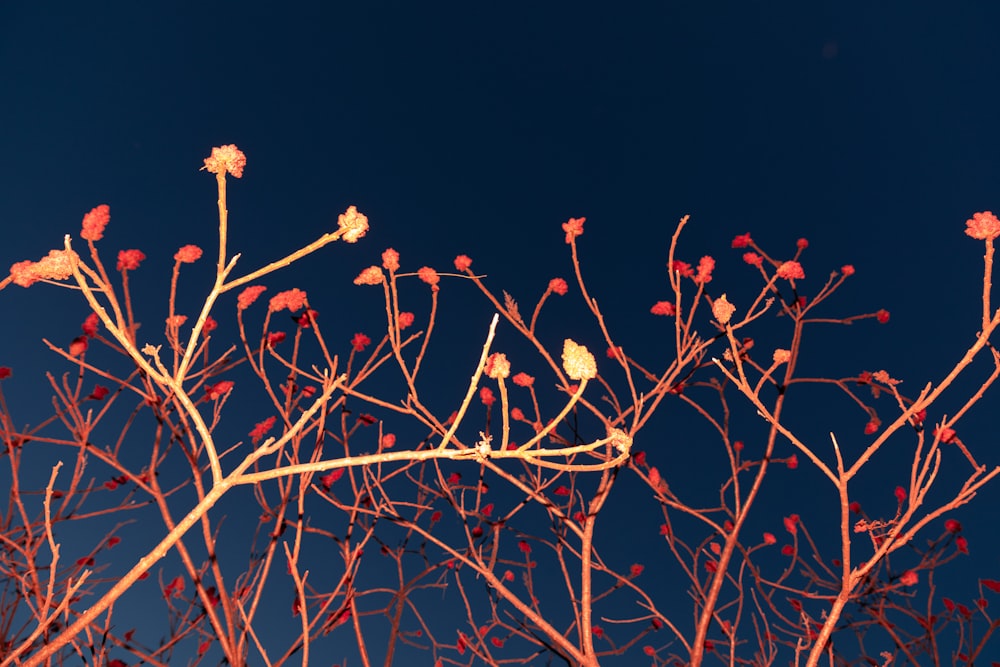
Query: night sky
(868,128)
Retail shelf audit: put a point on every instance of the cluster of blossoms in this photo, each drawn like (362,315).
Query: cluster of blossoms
(57,265)
(226,159)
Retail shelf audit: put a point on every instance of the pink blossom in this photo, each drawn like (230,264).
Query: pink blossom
(742,240)
(463,262)
(573,228)
(523,380)
(292,299)
(559,286)
(360,342)
(791,271)
(128,260)
(983,226)
(261,429)
(352,224)
(705,267)
(188,254)
(95,221)
(487,397)
(218,390)
(226,158)
(370,276)
(663,308)
(428,275)
(497,366)
(90,325)
(248,296)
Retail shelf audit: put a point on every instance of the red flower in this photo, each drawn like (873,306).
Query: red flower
(983,226)
(947,435)
(429,275)
(802,244)
(405,320)
(742,241)
(454,478)
(360,342)
(791,271)
(573,228)
(882,316)
(388,441)
(188,254)
(636,569)
(793,462)
(524,547)
(435,517)
(705,267)
(517,414)
(95,222)
(218,390)
(855,507)
(275,337)
(329,478)
(562,491)
(787,550)
(791,523)
(487,397)
(370,276)
(663,308)
(559,286)
(769,538)
(523,380)
(99,393)
(128,260)
(292,299)
(307,317)
(900,495)
(90,324)
(871,427)
(847,270)
(248,296)
(753,259)
(78,346)
(597,631)
(682,268)
(261,429)
(649,650)
(390,260)
(991,584)
(953,526)
(908,578)
(366,419)
(463,262)
(962,545)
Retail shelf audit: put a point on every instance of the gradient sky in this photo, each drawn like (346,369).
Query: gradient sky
(868,128)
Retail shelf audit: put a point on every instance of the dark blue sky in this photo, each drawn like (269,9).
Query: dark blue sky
(869,128)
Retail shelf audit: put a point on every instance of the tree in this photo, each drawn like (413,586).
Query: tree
(488,531)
